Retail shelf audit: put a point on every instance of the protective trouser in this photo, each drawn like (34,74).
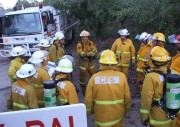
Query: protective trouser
(123,69)
(86,67)
(120,124)
(178,120)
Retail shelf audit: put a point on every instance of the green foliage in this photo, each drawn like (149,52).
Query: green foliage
(103,18)
(26,4)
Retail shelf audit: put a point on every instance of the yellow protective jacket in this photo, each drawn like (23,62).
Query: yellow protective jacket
(67,91)
(152,89)
(108,95)
(124,51)
(144,56)
(56,51)
(22,96)
(84,47)
(175,64)
(14,67)
(37,83)
(140,48)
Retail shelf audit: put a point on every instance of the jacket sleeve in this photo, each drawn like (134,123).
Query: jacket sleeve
(113,48)
(80,51)
(132,50)
(45,76)
(175,66)
(72,97)
(52,53)
(127,96)
(89,97)
(94,49)
(12,70)
(146,97)
(32,103)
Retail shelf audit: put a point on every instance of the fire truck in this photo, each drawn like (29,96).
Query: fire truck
(27,27)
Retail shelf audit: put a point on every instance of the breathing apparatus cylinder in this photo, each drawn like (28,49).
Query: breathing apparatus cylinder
(50,93)
(173,93)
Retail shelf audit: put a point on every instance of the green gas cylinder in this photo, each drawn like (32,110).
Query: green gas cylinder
(50,93)
(173,92)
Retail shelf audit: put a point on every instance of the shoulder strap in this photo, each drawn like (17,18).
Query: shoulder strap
(56,47)
(82,46)
(60,80)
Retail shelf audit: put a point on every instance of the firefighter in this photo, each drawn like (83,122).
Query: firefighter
(86,50)
(152,91)
(124,50)
(159,39)
(107,93)
(42,75)
(22,95)
(175,68)
(44,45)
(143,57)
(57,50)
(16,63)
(66,89)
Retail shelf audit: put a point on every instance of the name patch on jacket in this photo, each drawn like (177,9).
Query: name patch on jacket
(107,80)
(18,90)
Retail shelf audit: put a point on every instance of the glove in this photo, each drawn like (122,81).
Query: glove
(83,54)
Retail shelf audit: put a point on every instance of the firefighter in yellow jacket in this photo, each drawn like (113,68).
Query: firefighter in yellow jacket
(42,75)
(152,91)
(143,57)
(57,50)
(124,50)
(107,93)
(22,95)
(66,89)
(175,68)
(16,63)
(86,50)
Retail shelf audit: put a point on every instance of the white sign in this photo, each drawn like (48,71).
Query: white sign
(60,116)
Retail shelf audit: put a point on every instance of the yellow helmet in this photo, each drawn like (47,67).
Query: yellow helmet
(159,54)
(159,37)
(84,33)
(108,57)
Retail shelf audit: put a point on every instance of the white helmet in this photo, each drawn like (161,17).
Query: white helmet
(37,57)
(65,66)
(58,36)
(44,43)
(25,71)
(123,32)
(18,51)
(144,36)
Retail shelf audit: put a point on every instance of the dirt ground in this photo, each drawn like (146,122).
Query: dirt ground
(132,119)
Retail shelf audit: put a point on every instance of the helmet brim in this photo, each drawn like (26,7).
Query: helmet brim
(24,76)
(14,55)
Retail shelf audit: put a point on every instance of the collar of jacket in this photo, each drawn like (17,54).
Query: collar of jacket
(160,68)
(20,59)
(61,76)
(23,82)
(107,67)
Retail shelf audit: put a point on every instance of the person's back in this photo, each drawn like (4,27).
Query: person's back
(108,93)
(22,95)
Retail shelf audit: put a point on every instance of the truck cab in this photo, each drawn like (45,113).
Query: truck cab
(27,27)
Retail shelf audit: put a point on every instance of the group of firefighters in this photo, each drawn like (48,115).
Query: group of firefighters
(107,93)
